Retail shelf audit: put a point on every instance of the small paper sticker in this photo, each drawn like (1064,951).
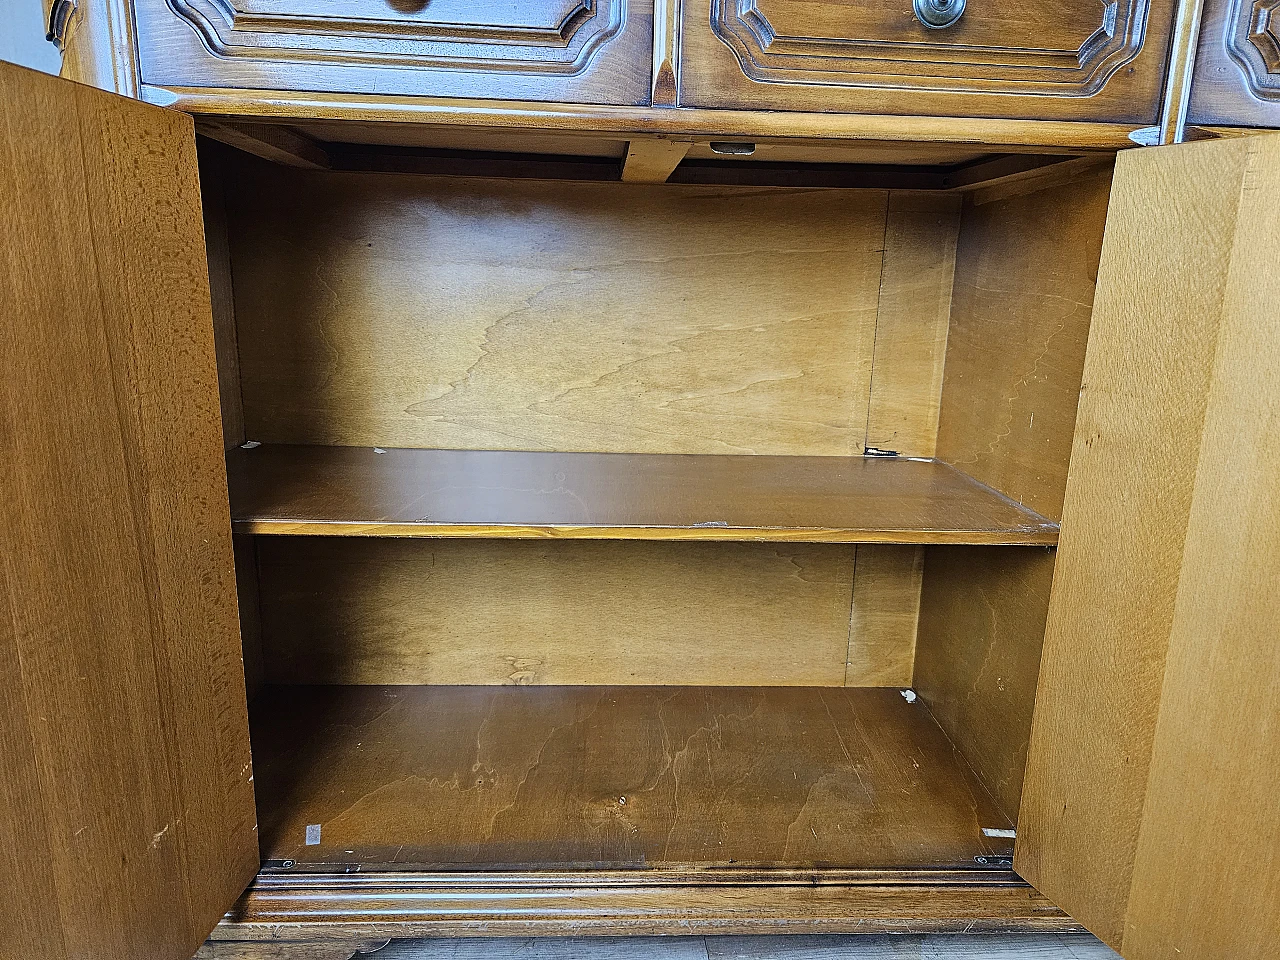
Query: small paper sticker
(313,834)
(999,832)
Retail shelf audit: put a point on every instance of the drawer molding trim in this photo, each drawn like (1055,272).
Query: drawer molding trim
(1253,41)
(929,64)
(562,47)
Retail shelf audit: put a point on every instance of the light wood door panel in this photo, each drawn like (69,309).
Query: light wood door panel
(575,51)
(1149,809)
(1074,60)
(126,798)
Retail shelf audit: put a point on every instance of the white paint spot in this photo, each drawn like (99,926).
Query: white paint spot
(313,834)
(250,445)
(378,450)
(999,832)
(909,696)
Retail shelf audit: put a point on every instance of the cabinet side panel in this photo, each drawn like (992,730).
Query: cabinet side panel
(116,539)
(1210,832)
(1129,494)
(1026,266)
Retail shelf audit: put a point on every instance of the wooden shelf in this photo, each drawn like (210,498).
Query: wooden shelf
(359,491)
(513,776)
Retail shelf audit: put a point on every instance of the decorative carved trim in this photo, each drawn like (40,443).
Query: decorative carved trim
(1253,41)
(297,904)
(930,63)
(564,47)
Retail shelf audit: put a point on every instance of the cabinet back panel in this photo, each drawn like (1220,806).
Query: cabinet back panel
(396,310)
(1026,268)
(382,611)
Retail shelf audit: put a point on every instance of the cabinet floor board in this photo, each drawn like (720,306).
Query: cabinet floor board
(346,491)
(546,777)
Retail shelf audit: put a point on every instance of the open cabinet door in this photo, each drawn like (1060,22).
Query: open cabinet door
(1151,811)
(127,820)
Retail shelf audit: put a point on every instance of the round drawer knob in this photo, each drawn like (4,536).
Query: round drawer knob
(937,14)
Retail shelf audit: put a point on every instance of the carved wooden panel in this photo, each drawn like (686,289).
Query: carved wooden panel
(586,50)
(1053,60)
(1237,73)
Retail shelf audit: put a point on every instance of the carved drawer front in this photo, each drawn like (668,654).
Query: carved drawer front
(1073,59)
(1237,74)
(586,51)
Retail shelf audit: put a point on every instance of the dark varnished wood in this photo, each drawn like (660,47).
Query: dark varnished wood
(1075,59)
(1237,67)
(406,903)
(567,50)
(622,776)
(344,491)
(126,801)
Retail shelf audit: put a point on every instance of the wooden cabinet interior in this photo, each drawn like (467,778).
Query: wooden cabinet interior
(773,368)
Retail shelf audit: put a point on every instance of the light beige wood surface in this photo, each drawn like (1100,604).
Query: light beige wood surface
(530,612)
(1208,854)
(449,312)
(348,491)
(651,160)
(1149,807)
(126,801)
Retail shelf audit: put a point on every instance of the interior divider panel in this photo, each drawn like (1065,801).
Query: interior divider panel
(361,491)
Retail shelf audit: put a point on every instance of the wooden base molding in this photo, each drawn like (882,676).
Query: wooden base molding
(282,905)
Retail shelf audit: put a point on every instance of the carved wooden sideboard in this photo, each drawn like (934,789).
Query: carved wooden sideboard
(592,466)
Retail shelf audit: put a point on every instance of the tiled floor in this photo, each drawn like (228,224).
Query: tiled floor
(1036,946)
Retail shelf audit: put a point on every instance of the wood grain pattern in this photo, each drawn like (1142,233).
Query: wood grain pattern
(419,311)
(1024,279)
(124,696)
(521,612)
(982,614)
(1216,746)
(344,491)
(1236,80)
(557,50)
(1024,282)
(99,46)
(1169,299)
(913,312)
(702,900)
(626,776)
(1075,60)
(886,610)
(652,160)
